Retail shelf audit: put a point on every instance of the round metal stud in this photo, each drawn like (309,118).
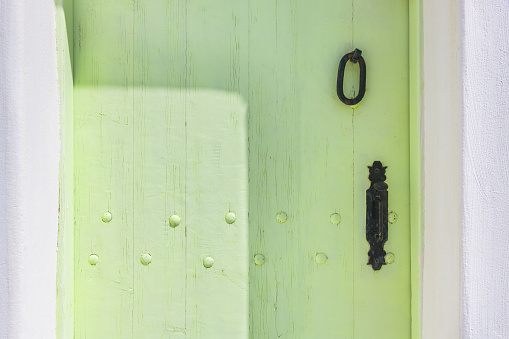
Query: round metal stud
(146,259)
(93,259)
(335,218)
(106,217)
(208,262)
(389,258)
(281,217)
(230,217)
(259,259)
(393,217)
(321,258)
(174,220)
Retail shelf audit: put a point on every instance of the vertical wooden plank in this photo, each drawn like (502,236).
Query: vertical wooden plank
(381,122)
(279,295)
(103,168)
(324,31)
(160,167)
(216,174)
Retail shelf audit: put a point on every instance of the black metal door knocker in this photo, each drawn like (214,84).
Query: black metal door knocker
(354,57)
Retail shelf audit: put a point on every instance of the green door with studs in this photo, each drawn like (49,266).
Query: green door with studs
(220,183)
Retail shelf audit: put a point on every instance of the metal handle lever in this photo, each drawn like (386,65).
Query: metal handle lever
(377,212)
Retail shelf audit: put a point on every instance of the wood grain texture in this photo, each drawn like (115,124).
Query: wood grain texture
(159,140)
(199,109)
(217,163)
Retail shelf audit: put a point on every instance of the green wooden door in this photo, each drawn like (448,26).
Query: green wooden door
(221,184)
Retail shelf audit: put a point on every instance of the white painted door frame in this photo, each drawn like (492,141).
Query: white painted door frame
(29,168)
(442,124)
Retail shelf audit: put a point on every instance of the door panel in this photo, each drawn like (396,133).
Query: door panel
(196,109)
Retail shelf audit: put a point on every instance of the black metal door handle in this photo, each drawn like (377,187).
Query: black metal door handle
(377,215)
(354,57)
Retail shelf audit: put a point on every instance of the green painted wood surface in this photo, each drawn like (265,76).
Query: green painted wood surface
(199,108)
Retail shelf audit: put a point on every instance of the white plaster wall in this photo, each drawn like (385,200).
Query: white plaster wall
(486,169)
(29,156)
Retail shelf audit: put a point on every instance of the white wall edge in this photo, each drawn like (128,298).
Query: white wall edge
(29,159)
(442,122)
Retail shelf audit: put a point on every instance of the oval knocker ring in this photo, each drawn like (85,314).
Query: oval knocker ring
(354,57)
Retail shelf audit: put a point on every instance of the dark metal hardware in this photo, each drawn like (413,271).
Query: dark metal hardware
(354,57)
(377,215)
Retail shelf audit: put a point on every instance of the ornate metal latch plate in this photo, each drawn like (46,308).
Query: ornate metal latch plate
(377,215)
